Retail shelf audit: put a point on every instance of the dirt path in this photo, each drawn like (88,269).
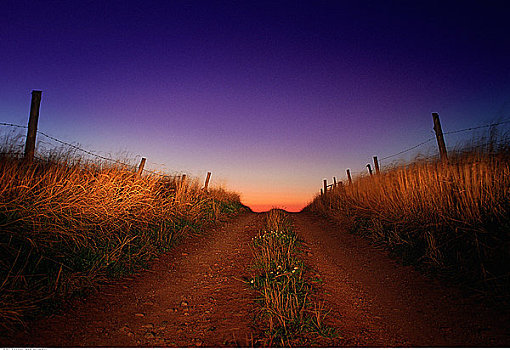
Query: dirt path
(194,296)
(376,302)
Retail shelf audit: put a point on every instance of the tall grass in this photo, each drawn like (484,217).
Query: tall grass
(451,218)
(67,225)
(285,294)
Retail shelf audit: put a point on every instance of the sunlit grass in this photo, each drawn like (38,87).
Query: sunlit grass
(68,225)
(452,218)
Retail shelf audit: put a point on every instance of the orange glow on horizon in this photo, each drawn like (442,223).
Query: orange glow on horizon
(258,208)
(264,194)
(260,202)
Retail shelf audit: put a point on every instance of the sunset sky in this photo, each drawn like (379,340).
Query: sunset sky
(270,96)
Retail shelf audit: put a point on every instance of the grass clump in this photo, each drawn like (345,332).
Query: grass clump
(285,294)
(67,225)
(451,218)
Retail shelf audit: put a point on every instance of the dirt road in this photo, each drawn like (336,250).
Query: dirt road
(194,296)
(378,303)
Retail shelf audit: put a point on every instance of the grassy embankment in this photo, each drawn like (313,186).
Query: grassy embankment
(452,219)
(68,225)
(287,305)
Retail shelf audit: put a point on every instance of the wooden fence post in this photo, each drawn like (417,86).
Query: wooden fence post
(32,125)
(349,176)
(369,169)
(183,178)
(334,181)
(141,166)
(207,180)
(322,192)
(376,164)
(325,185)
(439,136)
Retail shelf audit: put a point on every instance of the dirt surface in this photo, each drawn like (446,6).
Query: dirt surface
(192,296)
(195,296)
(376,302)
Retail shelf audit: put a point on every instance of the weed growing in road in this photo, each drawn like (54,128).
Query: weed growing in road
(449,218)
(285,294)
(68,224)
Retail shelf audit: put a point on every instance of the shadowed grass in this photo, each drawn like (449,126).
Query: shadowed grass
(67,225)
(285,295)
(452,219)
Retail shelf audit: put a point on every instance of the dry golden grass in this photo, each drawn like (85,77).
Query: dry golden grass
(68,225)
(452,218)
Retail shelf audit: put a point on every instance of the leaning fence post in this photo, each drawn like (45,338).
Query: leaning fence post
(369,169)
(439,136)
(32,125)
(376,165)
(349,176)
(325,185)
(207,180)
(141,166)
(334,181)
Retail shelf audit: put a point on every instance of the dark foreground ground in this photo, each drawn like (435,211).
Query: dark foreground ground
(378,303)
(195,296)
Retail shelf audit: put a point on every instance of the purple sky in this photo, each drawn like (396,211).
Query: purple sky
(271,96)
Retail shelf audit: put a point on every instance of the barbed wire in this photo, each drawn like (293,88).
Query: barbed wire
(81,149)
(476,127)
(155,173)
(15,125)
(445,133)
(409,149)
(97,155)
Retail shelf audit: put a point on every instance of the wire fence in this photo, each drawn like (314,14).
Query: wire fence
(408,149)
(445,133)
(67,144)
(351,173)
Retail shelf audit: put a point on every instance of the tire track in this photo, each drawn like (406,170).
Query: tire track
(376,302)
(193,296)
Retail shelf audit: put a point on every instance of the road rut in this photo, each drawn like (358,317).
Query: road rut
(377,302)
(193,296)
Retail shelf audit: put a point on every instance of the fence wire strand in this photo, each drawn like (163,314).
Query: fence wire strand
(15,125)
(446,133)
(408,149)
(80,149)
(154,173)
(476,127)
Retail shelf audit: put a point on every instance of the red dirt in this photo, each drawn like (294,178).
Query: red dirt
(378,303)
(195,296)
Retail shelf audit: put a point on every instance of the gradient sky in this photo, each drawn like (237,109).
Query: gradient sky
(270,96)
